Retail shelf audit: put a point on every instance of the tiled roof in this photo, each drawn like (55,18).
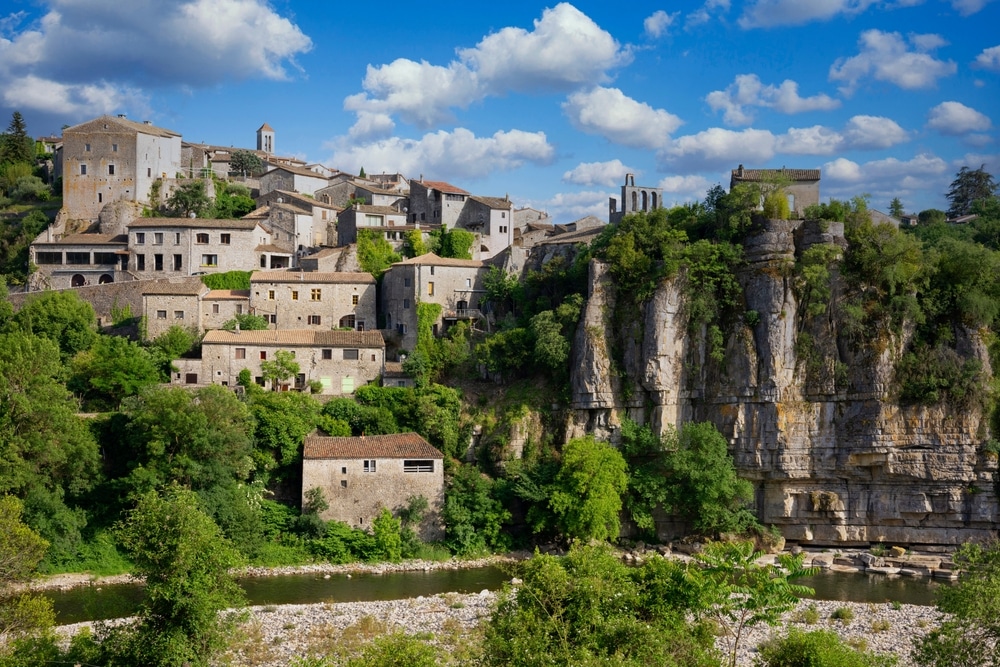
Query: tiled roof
(300,198)
(189,287)
(301,171)
(261,213)
(297,338)
(98,125)
(273,249)
(227,295)
(311,277)
(493,202)
(325,252)
(265,128)
(395,446)
(192,223)
(430,259)
(89,239)
(394,368)
(582,236)
(386,210)
(441,186)
(374,189)
(756,175)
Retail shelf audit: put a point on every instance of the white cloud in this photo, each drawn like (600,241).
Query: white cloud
(771,13)
(454,154)
(989,59)
(684,188)
(968,7)
(569,206)
(73,100)
(873,132)
(748,90)
(815,140)
(144,44)
(954,118)
(704,13)
(657,23)
(917,181)
(606,174)
(717,147)
(887,57)
(610,113)
(371,125)
(860,133)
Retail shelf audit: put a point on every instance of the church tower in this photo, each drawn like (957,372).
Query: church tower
(265,139)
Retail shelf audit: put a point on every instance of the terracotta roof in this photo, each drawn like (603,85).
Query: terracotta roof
(261,213)
(266,128)
(396,446)
(298,197)
(441,186)
(755,175)
(98,125)
(227,295)
(430,259)
(89,239)
(493,202)
(394,368)
(189,287)
(386,210)
(311,277)
(301,171)
(273,249)
(582,236)
(297,338)
(200,223)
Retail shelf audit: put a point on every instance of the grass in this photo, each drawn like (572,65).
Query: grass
(809,615)
(845,614)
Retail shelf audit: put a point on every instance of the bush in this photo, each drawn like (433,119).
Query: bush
(819,648)
(845,614)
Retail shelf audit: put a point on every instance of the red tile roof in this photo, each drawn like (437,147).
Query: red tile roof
(446,188)
(396,446)
(340,277)
(296,338)
(430,259)
(755,175)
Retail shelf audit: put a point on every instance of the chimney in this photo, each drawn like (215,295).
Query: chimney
(147,122)
(121,115)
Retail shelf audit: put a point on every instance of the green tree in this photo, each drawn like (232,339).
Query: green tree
(819,647)
(969,186)
(281,422)
(246,322)
(189,198)
(413,243)
(112,369)
(185,561)
(896,208)
(15,144)
(375,254)
(969,635)
(245,163)
(361,174)
(280,369)
(930,216)
(62,317)
(21,549)
(388,540)
(473,517)
(586,496)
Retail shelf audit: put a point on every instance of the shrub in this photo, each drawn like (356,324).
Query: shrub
(817,648)
(808,615)
(845,614)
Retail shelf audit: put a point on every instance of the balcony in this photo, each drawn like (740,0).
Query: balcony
(463,314)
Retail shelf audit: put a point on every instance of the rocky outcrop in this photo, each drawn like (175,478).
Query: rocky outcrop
(811,421)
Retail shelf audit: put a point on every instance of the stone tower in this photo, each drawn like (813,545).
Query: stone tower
(634,199)
(265,139)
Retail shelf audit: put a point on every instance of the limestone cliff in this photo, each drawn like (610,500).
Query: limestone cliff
(835,458)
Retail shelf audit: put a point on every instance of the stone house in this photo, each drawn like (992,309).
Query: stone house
(315,301)
(490,219)
(171,247)
(296,179)
(381,218)
(394,182)
(523,216)
(436,202)
(454,284)
(339,360)
(77,260)
(359,476)
(312,233)
(378,196)
(634,199)
(110,159)
(801,186)
(167,303)
(339,191)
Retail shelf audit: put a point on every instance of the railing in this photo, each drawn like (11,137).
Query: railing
(463,314)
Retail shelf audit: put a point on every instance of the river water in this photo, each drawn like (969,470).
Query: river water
(90,603)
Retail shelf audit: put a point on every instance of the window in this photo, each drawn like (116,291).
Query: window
(161,314)
(224,239)
(111,170)
(432,270)
(343,470)
(354,299)
(374,221)
(430,289)
(178,314)
(100,197)
(406,304)
(369,465)
(347,322)
(157,262)
(406,282)
(178,261)
(295,295)
(239,309)
(350,355)
(270,295)
(343,483)
(327,354)
(149,172)
(48,258)
(201,238)
(140,238)
(273,319)
(140,262)
(418,465)
(315,295)
(158,238)
(503,229)
(83,170)
(114,148)
(315,319)
(241,353)
(468,282)
(402,329)
(177,238)
(191,378)
(215,309)
(209,260)
(105,258)
(263,355)
(86,147)
(78,258)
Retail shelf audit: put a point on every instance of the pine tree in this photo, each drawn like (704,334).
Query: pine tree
(896,208)
(969,187)
(16,146)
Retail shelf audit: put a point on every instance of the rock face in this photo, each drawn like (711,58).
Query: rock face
(812,422)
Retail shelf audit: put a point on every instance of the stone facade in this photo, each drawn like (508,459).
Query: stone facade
(295,179)
(318,301)
(172,247)
(77,260)
(634,199)
(454,284)
(221,305)
(490,219)
(165,304)
(108,159)
(340,361)
(313,232)
(436,202)
(360,476)
(801,186)
(381,218)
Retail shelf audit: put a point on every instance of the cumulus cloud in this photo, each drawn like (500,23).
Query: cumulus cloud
(565,50)
(886,56)
(74,100)
(658,23)
(954,118)
(989,59)
(873,132)
(815,140)
(968,7)
(704,13)
(684,188)
(144,44)
(610,113)
(771,13)
(911,180)
(606,174)
(569,206)
(747,90)
(458,153)
(860,133)
(716,147)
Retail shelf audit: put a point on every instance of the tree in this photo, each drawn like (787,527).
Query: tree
(189,198)
(970,635)
(375,254)
(21,549)
(246,322)
(931,216)
(473,517)
(16,145)
(112,369)
(388,540)
(280,369)
(361,174)
(245,163)
(896,208)
(62,317)
(586,494)
(185,561)
(969,187)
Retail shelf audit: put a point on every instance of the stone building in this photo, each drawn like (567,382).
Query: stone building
(312,220)
(801,186)
(634,199)
(265,139)
(166,303)
(77,260)
(109,159)
(359,476)
(490,219)
(171,247)
(318,301)
(436,202)
(340,361)
(380,218)
(296,179)
(454,284)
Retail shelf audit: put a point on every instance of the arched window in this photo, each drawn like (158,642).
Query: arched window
(105,279)
(78,280)
(347,322)
(655,203)
(645,201)
(635,201)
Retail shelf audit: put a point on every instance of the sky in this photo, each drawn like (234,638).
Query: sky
(551,104)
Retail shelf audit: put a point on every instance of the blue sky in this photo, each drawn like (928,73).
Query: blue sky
(549,103)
